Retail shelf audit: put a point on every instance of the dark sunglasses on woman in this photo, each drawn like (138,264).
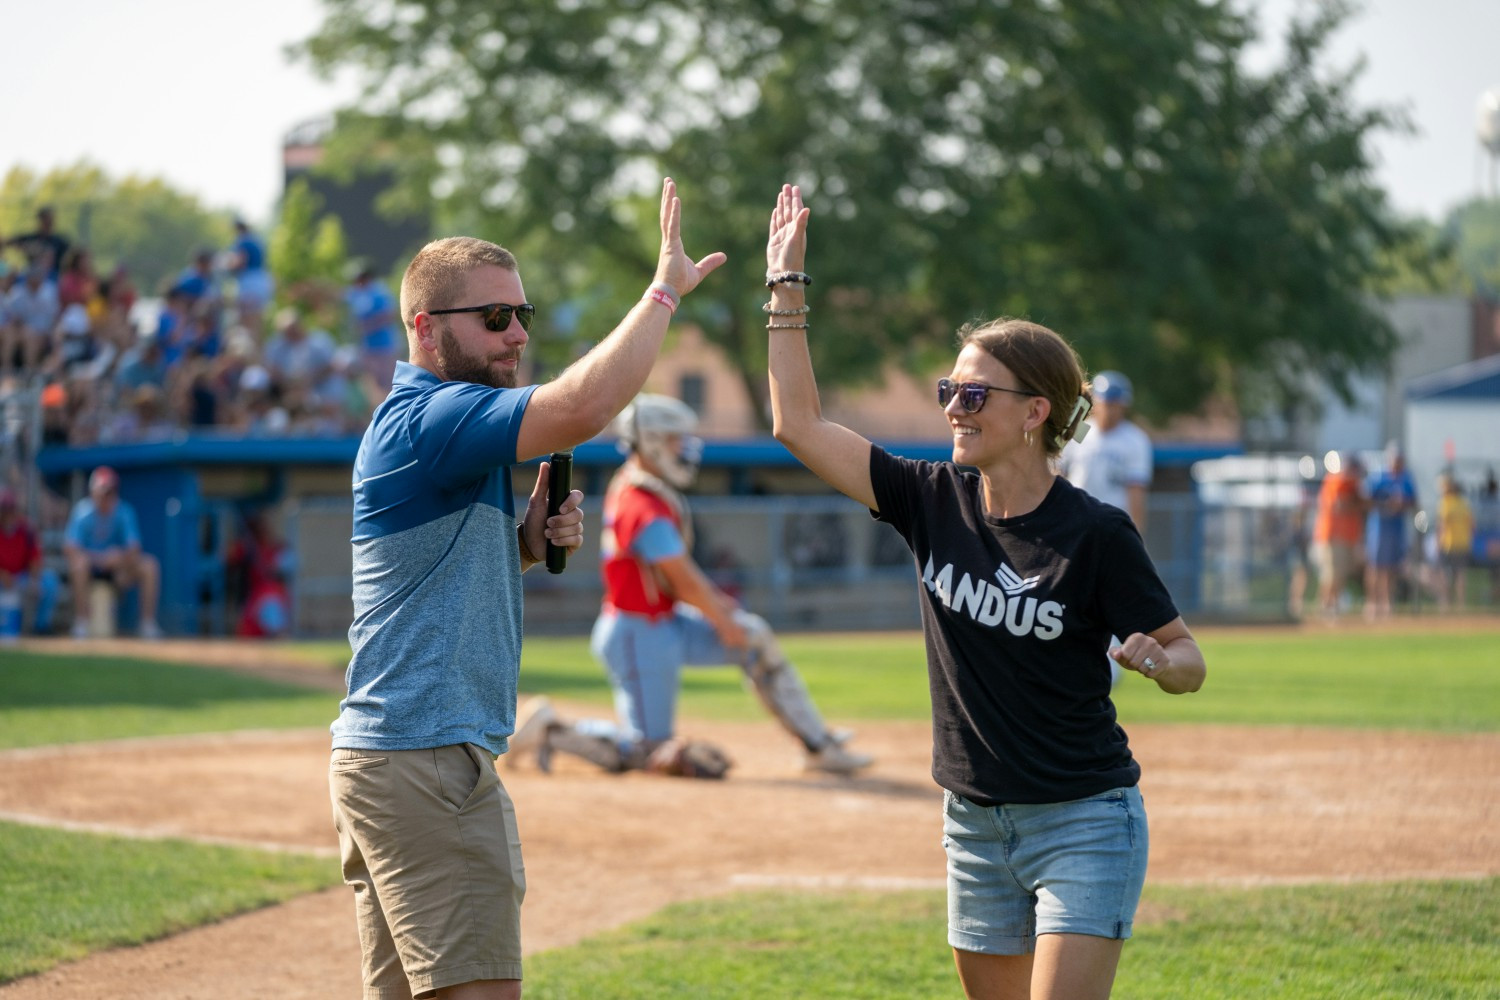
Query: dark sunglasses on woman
(971,395)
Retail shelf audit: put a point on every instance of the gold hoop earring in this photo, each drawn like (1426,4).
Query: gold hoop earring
(1027,435)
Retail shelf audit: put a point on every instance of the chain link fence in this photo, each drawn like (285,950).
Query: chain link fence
(823,563)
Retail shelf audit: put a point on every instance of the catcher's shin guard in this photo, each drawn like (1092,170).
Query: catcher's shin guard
(600,751)
(779,686)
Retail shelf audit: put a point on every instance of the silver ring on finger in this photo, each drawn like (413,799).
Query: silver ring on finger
(1149,663)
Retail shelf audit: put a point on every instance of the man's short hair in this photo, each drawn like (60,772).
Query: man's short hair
(435,276)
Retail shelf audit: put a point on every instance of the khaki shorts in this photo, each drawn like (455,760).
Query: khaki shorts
(1334,560)
(428,840)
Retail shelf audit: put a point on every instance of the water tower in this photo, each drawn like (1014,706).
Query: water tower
(1487,127)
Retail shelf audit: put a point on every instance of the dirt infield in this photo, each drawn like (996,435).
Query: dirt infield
(1229,805)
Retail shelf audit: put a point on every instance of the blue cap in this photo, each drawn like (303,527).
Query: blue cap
(1112,387)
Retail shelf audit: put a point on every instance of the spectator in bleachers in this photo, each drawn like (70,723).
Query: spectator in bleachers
(89,406)
(1392,498)
(103,542)
(55,414)
(198,281)
(372,309)
(74,343)
(33,307)
(297,356)
(193,395)
(119,291)
(258,413)
(241,351)
(252,278)
(144,418)
(109,311)
(171,323)
(76,283)
(44,246)
(145,363)
(349,394)
(21,566)
(200,335)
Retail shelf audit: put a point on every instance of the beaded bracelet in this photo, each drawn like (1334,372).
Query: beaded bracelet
(660,291)
(800,310)
(786,326)
(774,278)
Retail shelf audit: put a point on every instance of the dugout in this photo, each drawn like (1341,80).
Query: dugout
(766,529)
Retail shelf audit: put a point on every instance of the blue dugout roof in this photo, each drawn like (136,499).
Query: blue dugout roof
(1470,380)
(219,449)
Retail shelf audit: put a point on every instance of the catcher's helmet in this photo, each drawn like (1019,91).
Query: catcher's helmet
(646,427)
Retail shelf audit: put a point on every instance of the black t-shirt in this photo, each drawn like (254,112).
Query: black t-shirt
(38,245)
(1018,614)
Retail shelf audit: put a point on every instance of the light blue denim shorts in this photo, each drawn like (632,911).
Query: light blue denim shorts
(1016,871)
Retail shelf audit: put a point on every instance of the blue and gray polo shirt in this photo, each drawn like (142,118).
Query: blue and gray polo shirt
(437,578)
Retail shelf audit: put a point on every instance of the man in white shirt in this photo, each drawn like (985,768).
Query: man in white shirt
(1113,462)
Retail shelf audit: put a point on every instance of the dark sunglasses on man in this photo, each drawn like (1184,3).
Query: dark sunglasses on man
(971,395)
(496,315)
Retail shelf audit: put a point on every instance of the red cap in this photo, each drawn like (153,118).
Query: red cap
(104,478)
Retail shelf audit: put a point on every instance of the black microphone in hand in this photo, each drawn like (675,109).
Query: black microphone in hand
(559,485)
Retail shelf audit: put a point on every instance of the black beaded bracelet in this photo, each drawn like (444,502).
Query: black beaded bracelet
(774,278)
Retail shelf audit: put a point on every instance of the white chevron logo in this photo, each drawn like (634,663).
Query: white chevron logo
(1011,582)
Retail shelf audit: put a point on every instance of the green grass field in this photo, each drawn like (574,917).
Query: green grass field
(1395,941)
(1425,940)
(46,698)
(67,894)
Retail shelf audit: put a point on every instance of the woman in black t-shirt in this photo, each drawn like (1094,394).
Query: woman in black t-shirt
(1024,580)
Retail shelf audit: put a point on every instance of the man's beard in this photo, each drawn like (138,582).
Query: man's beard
(456,366)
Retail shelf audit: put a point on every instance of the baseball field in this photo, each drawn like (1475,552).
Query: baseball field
(1325,823)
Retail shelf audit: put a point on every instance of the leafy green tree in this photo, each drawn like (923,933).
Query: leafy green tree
(1427,262)
(308,253)
(1473,232)
(141,222)
(1107,167)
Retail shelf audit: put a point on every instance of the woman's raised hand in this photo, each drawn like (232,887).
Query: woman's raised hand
(786,247)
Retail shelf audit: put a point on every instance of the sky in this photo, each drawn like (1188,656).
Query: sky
(202,97)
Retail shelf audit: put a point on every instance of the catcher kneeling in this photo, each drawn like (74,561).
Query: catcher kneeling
(661,613)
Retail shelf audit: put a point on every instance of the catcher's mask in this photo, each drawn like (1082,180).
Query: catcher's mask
(660,430)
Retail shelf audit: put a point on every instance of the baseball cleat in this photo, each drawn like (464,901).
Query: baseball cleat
(532,723)
(836,759)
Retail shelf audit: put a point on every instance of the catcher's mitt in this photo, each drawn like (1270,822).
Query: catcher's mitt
(681,758)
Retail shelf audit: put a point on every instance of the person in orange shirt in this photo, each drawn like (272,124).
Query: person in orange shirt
(1338,530)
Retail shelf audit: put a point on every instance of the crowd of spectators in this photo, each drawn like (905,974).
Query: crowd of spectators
(213,355)
(93,360)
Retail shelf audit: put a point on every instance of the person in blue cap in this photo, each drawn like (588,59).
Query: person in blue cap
(1113,463)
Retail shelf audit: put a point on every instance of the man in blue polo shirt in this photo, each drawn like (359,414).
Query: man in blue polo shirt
(427,834)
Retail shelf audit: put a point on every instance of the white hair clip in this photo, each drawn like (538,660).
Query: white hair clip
(1076,429)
